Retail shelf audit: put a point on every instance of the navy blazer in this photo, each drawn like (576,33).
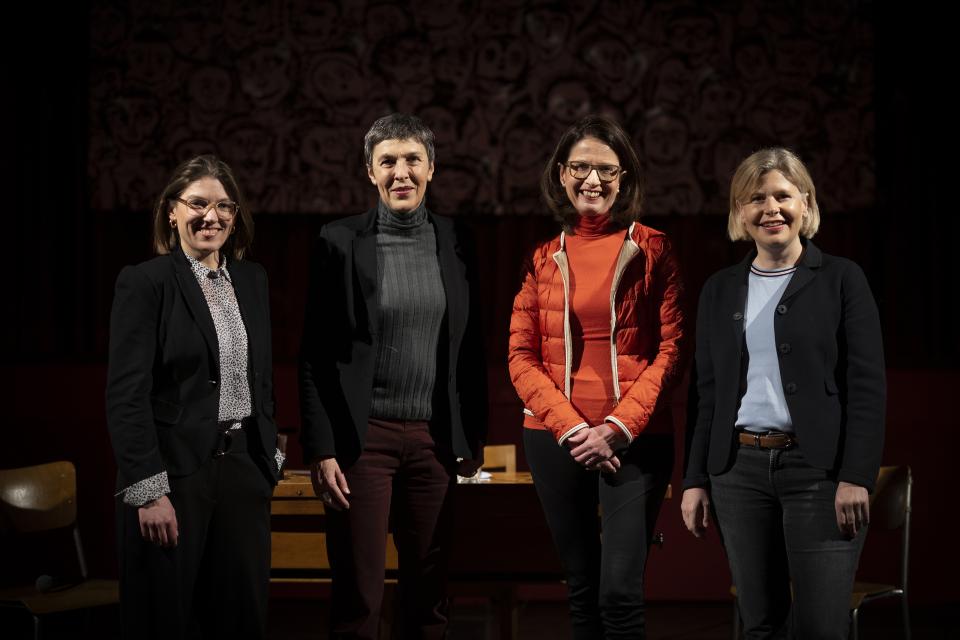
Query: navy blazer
(827,331)
(163,393)
(340,339)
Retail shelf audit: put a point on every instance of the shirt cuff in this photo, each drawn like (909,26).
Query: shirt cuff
(278,457)
(147,490)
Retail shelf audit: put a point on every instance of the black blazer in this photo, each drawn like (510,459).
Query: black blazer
(163,377)
(831,363)
(339,345)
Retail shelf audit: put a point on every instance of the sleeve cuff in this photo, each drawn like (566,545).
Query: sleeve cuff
(563,438)
(147,490)
(622,426)
(279,458)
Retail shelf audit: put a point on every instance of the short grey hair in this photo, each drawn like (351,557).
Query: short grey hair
(397,126)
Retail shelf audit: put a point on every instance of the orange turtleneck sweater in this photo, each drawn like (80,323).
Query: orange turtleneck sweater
(592,251)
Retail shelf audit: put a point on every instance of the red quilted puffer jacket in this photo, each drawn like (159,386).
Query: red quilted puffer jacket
(646,347)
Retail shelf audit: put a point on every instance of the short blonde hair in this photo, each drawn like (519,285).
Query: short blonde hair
(748,176)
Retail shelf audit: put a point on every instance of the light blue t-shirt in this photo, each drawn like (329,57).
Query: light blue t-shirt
(763,406)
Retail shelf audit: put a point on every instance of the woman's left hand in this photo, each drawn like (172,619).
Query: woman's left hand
(852,506)
(593,446)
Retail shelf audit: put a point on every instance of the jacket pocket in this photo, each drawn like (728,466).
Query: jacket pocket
(165,412)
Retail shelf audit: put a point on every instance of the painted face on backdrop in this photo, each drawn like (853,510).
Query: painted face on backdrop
(772,212)
(203,220)
(400,169)
(591,195)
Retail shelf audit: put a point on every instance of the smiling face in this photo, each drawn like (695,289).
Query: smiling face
(202,233)
(772,214)
(590,196)
(400,169)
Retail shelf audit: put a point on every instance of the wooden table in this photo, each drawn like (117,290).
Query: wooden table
(500,539)
(499,532)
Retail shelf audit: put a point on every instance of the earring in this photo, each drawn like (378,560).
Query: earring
(173,223)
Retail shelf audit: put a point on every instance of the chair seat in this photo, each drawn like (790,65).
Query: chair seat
(861,591)
(869,590)
(91,593)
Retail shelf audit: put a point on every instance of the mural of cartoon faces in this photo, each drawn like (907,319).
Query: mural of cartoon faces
(283,90)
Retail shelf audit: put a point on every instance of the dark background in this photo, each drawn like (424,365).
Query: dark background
(103,100)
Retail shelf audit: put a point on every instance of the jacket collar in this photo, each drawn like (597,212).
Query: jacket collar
(810,262)
(197,304)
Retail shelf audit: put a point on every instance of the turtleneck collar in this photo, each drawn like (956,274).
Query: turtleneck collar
(594,226)
(389,219)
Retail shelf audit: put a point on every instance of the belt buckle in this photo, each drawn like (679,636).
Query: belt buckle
(223,448)
(756,440)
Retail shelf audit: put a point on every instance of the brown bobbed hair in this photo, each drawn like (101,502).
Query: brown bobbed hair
(165,237)
(626,209)
(747,178)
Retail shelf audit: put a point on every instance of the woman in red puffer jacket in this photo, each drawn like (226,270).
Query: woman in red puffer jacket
(596,344)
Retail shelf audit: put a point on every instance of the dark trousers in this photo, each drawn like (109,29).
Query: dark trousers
(776,516)
(402,481)
(605,581)
(214,583)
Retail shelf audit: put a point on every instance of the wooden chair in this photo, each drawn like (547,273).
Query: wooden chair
(44,498)
(889,511)
(500,457)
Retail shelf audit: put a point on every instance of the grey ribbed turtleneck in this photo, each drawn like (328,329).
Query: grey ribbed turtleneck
(412,303)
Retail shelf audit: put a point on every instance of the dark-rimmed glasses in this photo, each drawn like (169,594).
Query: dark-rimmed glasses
(226,209)
(606,172)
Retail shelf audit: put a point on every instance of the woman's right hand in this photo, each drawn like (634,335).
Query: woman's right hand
(329,483)
(158,522)
(695,507)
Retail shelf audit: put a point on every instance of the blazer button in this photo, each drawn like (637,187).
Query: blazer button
(781,309)
(790,388)
(784,348)
(738,315)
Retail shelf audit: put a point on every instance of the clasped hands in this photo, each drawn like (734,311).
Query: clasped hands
(595,447)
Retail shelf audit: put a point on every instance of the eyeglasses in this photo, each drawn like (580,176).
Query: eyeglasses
(606,172)
(226,209)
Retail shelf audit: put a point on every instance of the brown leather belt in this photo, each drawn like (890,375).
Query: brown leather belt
(769,440)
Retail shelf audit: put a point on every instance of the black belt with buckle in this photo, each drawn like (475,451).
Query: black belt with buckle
(231,437)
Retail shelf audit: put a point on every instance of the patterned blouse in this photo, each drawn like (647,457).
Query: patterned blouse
(235,404)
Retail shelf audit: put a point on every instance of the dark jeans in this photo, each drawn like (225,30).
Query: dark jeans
(605,581)
(776,516)
(402,473)
(214,583)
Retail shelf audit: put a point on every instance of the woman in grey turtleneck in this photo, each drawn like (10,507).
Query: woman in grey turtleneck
(392,386)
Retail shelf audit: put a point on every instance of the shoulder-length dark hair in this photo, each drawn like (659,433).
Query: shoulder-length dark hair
(165,237)
(626,209)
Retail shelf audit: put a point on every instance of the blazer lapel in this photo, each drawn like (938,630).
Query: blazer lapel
(451,274)
(247,301)
(365,268)
(812,258)
(197,304)
(738,313)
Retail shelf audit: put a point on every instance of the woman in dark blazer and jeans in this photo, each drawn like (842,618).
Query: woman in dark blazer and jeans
(789,423)
(190,413)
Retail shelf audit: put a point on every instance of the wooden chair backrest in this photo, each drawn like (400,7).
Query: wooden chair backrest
(890,501)
(38,498)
